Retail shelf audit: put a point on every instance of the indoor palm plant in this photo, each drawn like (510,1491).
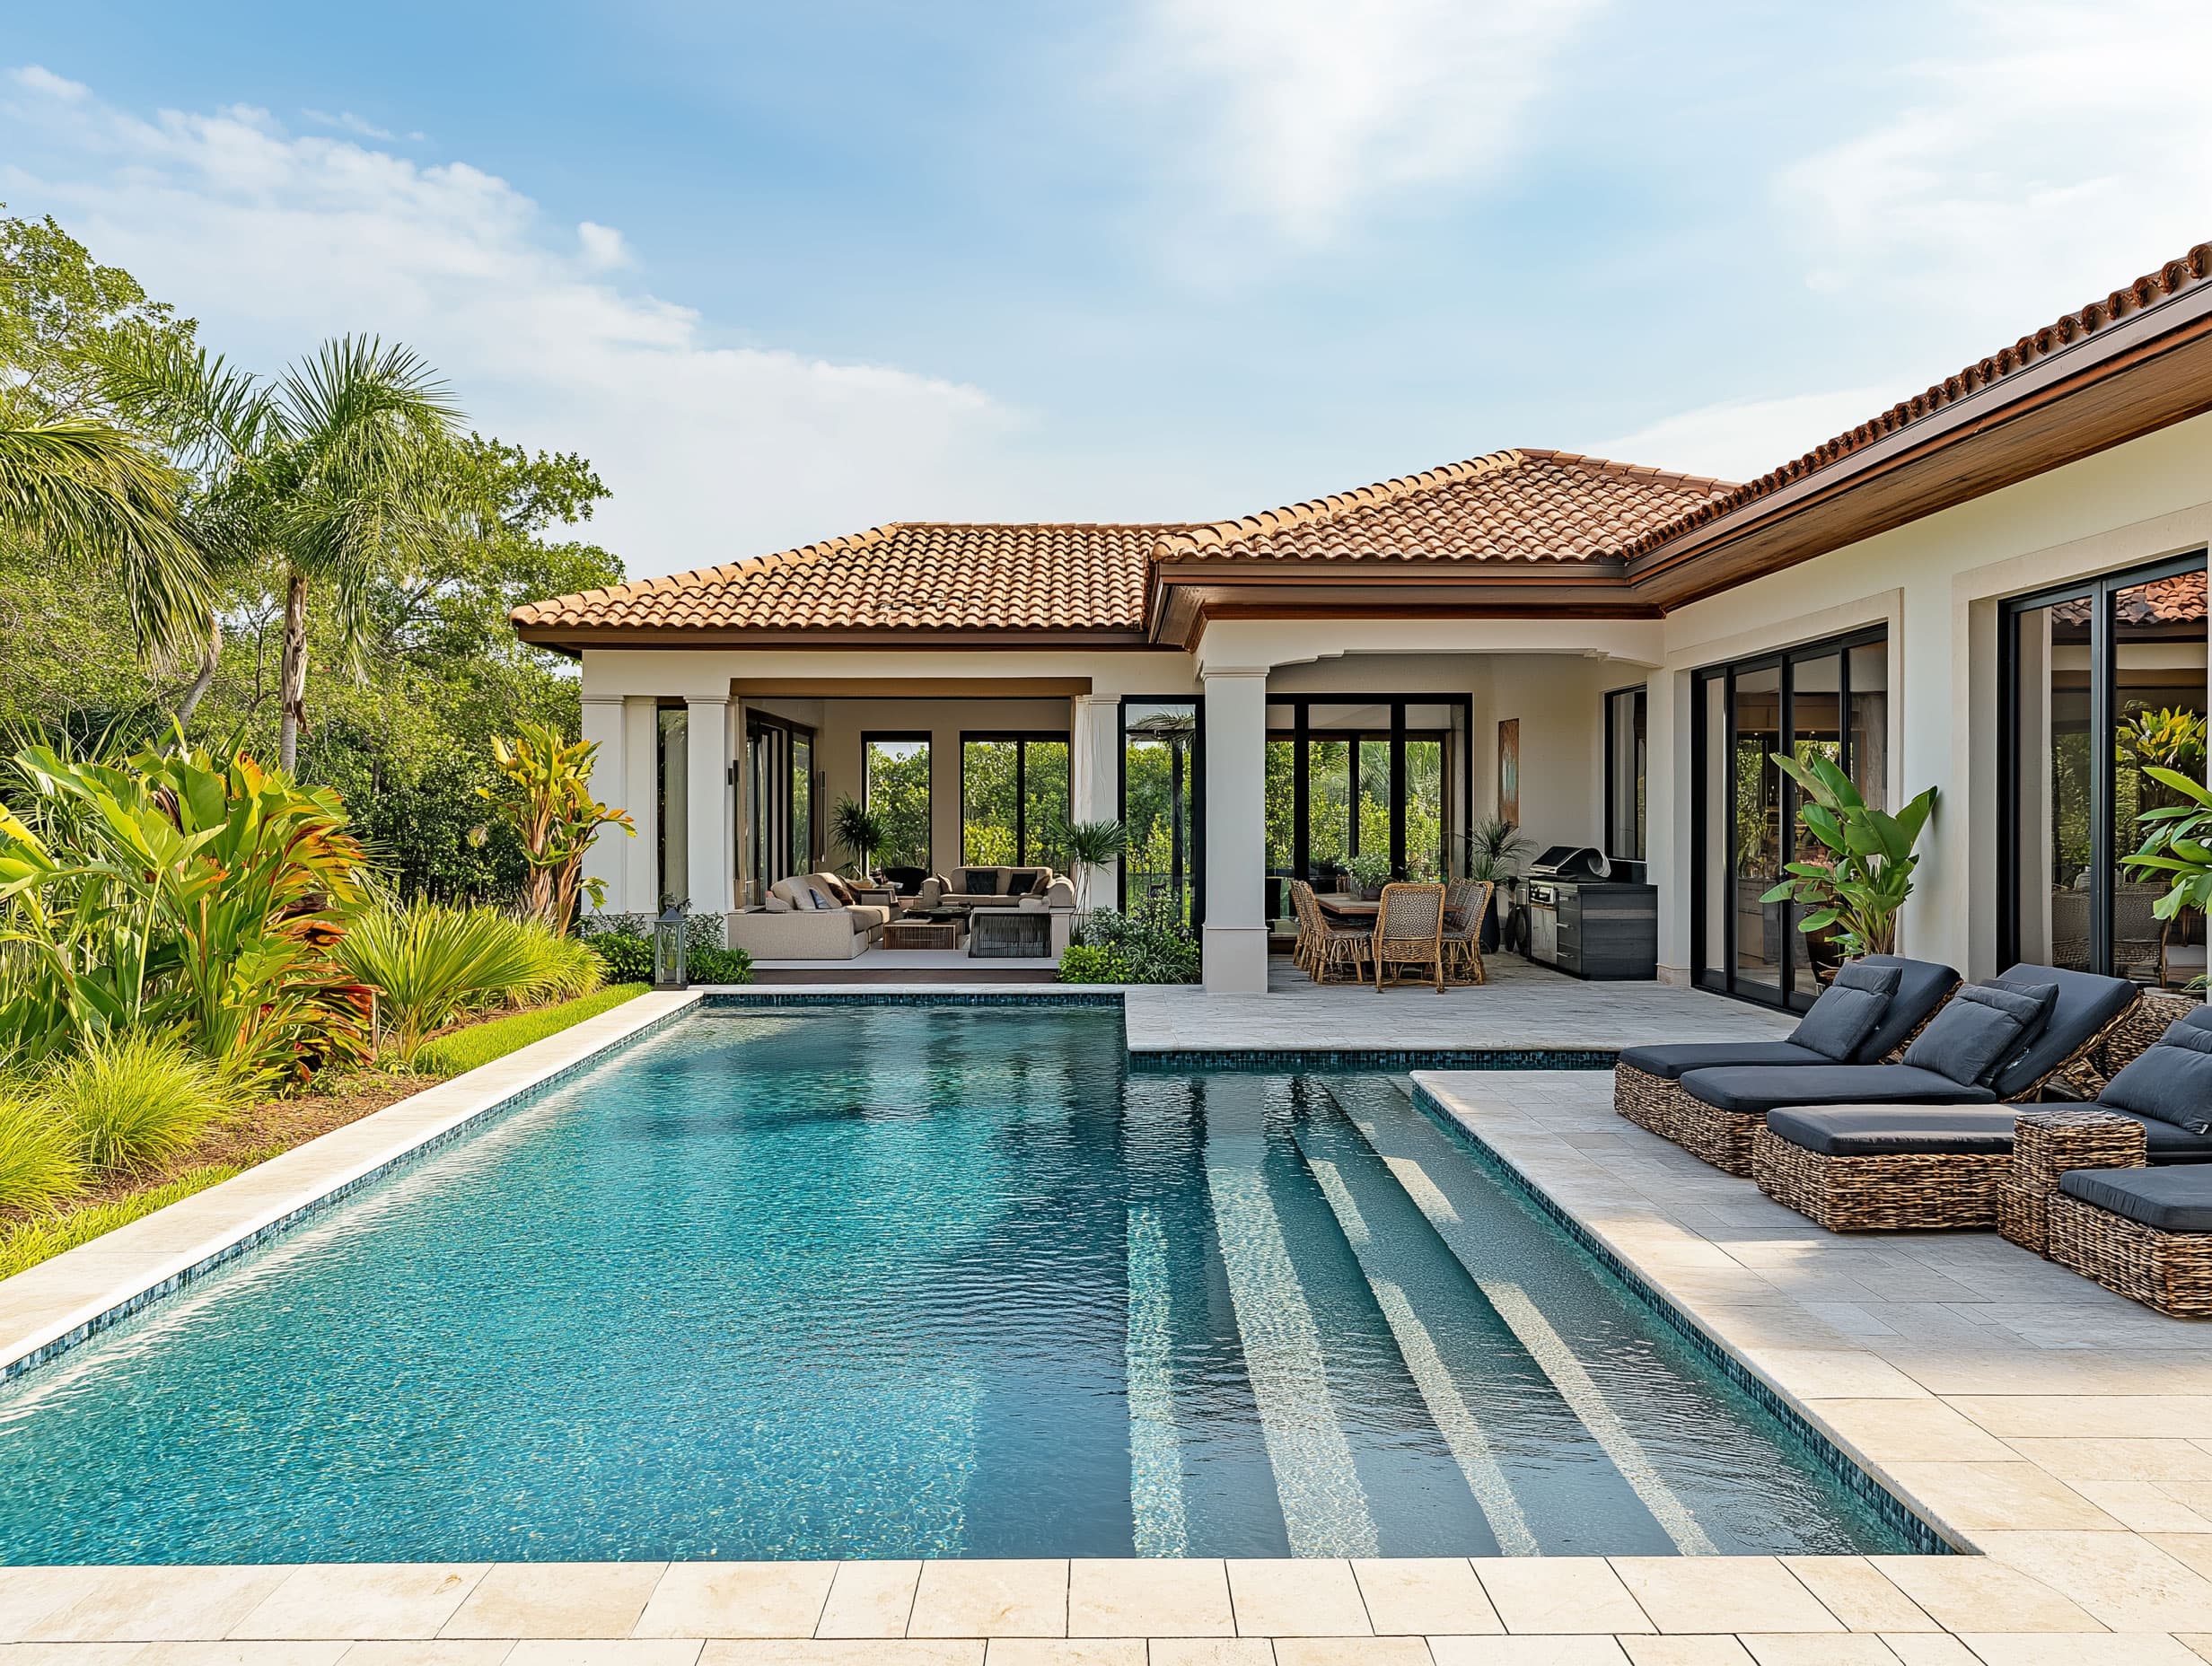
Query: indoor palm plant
(859,829)
(1494,847)
(1860,889)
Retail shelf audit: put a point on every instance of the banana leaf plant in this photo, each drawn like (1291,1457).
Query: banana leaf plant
(2178,842)
(1859,889)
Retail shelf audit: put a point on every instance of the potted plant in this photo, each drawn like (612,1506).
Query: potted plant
(1370,871)
(859,829)
(1087,846)
(1494,847)
(2178,841)
(1860,889)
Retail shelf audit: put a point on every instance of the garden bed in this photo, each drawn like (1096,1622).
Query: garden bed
(269,1128)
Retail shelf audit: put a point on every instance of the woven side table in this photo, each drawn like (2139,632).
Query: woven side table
(2045,1142)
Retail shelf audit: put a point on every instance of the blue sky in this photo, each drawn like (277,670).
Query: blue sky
(787,272)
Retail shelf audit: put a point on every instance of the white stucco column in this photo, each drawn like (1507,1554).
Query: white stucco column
(1236,740)
(711,846)
(641,777)
(1094,761)
(602,728)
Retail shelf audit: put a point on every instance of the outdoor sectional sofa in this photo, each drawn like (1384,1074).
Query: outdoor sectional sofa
(967,888)
(1893,1167)
(1647,1080)
(807,918)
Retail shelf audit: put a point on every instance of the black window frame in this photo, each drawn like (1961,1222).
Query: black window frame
(869,737)
(1197,853)
(1020,739)
(1721,979)
(2098,591)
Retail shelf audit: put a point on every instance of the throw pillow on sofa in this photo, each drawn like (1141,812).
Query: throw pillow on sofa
(1980,1028)
(2168,1084)
(979,881)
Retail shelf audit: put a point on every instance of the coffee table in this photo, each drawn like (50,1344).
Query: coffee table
(919,934)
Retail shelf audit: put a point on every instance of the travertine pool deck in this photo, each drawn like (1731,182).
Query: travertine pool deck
(2044,1423)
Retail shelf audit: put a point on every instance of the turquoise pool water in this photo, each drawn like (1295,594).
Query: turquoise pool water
(897,1281)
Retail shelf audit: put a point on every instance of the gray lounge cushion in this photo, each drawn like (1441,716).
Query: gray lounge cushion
(1754,1090)
(1921,986)
(2170,1083)
(2087,1003)
(1669,1060)
(1970,1038)
(1895,1130)
(2166,1200)
(1847,1011)
(2163,1142)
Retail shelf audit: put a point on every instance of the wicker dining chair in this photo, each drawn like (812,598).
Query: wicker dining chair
(1304,910)
(1408,932)
(1333,947)
(1470,900)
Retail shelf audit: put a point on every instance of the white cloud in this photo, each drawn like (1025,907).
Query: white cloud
(346,121)
(2051,157)
(1298,112)
(604,247)
(274,241)
(1741,439)
(36,79)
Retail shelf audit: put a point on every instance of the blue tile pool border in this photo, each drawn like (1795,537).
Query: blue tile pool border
(1368,1060)
(15,1369)
(737,1000)
(1894,1511)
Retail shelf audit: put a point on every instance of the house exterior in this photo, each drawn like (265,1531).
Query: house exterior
(1995,588)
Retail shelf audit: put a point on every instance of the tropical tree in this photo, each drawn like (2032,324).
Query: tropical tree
(548,801)
(327,475)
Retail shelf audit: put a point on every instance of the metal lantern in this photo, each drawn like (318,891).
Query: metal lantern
(668,958)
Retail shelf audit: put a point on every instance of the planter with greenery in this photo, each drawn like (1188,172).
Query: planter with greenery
(1494,847)
(858,830)
(2177,844)
(1152,944)
(1370,871)
(1859,890)
(1086,847)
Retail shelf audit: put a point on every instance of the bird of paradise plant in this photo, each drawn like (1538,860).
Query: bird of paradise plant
(548,800)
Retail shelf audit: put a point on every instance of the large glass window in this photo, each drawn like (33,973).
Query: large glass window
(1013,798)
(895,776)
(1160,799)
(1627,757)
(779,796)
(2102,680)
(1827,700)
(673,733)
(1355,774)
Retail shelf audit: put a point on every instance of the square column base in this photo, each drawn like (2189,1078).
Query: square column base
(1236,960)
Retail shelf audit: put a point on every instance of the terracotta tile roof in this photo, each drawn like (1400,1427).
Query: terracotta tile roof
(909,576)
(2191,270)
(1518,506)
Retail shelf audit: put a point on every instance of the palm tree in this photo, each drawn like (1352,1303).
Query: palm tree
(326,472)
(89,486)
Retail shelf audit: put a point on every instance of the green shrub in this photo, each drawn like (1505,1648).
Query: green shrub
(137,1100)
(1153,941)
(567,968)
(28,1242)
(431,962)
(704,964)
(464,1049)
(625,957)
(1088,963)
(40,1163)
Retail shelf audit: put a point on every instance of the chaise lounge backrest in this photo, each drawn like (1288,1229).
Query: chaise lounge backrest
(2087,1004)
(1922,986)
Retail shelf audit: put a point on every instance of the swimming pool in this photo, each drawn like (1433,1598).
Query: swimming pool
(900,1281)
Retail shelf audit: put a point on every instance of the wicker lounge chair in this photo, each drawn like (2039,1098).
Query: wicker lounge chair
(1468,902)
(2084,1012)
(1409,932)
(1647,1086)
(1890,1167)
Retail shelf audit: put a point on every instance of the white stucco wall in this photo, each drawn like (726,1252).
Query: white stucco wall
(1937,585)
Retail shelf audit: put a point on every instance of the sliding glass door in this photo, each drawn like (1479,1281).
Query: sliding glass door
(1163,804)
(1826,700)
(2101,681)
(779,802)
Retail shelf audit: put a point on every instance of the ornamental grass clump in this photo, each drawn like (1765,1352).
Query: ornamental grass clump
(137,1101)
(41,1162)
(432,963)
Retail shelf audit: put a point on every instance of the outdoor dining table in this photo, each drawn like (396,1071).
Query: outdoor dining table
(1358,909)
